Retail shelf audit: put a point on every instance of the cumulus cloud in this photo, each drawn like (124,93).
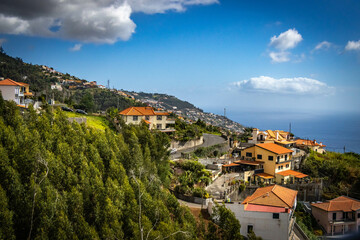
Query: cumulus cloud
(298,85)
(286,40)
(76,47)
(105,21)
(282,43)
(325,45)
(279,57)
(352,45)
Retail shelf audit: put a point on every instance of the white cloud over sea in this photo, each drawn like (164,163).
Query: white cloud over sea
(106,21)
(297,85)
(282,43)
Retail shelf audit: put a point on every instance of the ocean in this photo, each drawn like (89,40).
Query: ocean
(336,131)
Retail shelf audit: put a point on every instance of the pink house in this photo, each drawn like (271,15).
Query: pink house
(338,216)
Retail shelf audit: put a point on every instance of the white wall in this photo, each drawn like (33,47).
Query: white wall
(263,223)
(8,93)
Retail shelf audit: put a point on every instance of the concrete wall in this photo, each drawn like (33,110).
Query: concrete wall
(188,144)
(8,93)
(263,223)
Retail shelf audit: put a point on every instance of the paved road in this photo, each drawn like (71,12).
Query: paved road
(217,187)
(189,204)
(209,140)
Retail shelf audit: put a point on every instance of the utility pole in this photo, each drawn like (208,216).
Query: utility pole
(224,112)
(290,128)
(108,85)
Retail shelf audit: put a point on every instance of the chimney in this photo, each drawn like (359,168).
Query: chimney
(255,134)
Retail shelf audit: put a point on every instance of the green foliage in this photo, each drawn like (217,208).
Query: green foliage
(252,236)
(341,173)
(306,221)
(186,131)
(211,151)
(62,180)
(226,220)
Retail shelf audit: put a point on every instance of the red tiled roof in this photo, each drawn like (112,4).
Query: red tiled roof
(308,143)
(264,175)
(262,208)
(231,165)
(141,111)
(275,196)
(255,163)
(272,147)
(293,173)
(9,82)
(344,204)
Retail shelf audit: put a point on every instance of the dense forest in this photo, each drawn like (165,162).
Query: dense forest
(340,173)
(62,180)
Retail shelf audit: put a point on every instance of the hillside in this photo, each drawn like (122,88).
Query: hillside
(48,83)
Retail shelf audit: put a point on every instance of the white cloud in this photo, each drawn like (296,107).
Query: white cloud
(325,45)
(76,47)
(298,85)
(279,57)
(286,40)
(352,45)
(105,21)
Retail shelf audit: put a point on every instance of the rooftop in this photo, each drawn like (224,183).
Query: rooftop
(293,173)
(272,147)
(9,82)
(273,196)
(141,111)
(344,204)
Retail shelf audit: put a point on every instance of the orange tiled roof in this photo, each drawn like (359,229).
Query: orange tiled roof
(231,165)
(275,196)
(141,111)
(272,147)
(9,82)
(255,163)
(293,173)
(264,175)
(307,143)
(344,204)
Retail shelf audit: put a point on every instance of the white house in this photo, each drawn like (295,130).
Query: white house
(15,91)
(268,212)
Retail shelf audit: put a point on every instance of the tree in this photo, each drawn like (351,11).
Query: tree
(226,220)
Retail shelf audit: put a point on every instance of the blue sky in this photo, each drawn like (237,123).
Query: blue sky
(269,57)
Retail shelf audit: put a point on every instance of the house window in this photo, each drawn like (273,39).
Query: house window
(287,165)
(159,126)
(271,158)
(282,167)
(135,118)
(285,157)
(276,216)
(334,216)
(259,156)
(159,117)
(279,167)
(248,154)
(147,118)
(250,228)
(359,215)
(278,158)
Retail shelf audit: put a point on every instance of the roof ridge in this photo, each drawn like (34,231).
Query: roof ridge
(280,198)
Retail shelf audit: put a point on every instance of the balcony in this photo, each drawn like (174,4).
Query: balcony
(342,221)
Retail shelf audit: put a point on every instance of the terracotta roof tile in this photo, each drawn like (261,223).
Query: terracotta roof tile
(293,173)
(272,147)
(275,196)
(141,111)
(9,82)
(343,204)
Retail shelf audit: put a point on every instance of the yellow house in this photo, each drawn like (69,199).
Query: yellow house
(276,160)
(155,119)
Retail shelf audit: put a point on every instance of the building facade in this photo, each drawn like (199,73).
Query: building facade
(338,216)
(15,91)
(268,212)
(155,119)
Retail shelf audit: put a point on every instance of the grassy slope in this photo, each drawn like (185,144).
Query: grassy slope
(97,122)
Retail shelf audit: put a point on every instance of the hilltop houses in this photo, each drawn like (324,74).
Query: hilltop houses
(268,212)
(269,136)
(155,119)
(15,91)
(313,145)
(338,216)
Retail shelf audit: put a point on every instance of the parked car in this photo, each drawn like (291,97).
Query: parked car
(67,109)
(80,111)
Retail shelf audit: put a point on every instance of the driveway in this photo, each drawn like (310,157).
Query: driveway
(217,188)
(209,140)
